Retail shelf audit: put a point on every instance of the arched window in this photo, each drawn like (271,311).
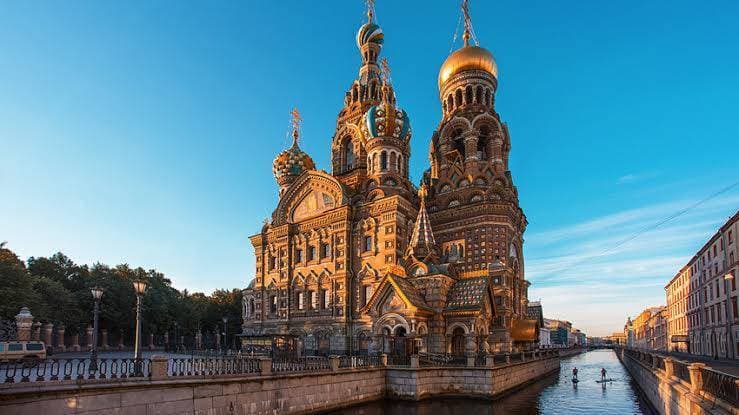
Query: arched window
(349,155)
(457,142)
(458,98)
(450,103)
(383,161)
(479,95)
(482,143)
(367,245)
(393,161)
(468,94)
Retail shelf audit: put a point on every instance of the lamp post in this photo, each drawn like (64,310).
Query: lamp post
(729,318)
(139,286)
(97,294)
(225,333)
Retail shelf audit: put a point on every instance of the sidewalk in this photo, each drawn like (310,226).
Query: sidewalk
(728,366)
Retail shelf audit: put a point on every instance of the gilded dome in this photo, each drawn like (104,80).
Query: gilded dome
(292,162)
(467,58)
(369,32)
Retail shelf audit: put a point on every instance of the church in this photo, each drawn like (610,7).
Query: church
(361,260)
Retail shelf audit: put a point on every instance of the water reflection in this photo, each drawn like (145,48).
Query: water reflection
(555,395)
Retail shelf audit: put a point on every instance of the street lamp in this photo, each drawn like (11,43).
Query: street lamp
(225,333)
(97,294)
(729,318)
(139,286)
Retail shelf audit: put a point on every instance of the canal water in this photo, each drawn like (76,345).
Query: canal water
(554,395)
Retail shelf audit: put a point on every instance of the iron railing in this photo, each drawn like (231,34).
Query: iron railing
(213,366)
(52,370)
(721,385)
(359,361)
(301,364)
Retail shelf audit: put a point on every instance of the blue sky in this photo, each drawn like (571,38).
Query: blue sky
(144,132)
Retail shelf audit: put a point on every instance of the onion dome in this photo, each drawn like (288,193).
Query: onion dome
(292,162)
(369,33)
(465,59)
(468,57)
(386,119)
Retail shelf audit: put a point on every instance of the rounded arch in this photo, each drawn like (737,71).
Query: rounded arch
(486,118)
(455,325)
(456,123)
(391,321)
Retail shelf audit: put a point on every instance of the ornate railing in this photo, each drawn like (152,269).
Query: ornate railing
(213,366)
(359,361)
(438,359)
(721,385)
(52,370)
(301,364)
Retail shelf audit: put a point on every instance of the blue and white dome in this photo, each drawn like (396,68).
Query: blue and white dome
(385,120)
(369,33)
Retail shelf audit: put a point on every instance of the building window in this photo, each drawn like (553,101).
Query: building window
(324,299)
(309,299)
(272,262)
(325,250)
(367,245)
(273,304)
(298,255)
(731,237)
(311,253)
(383,161)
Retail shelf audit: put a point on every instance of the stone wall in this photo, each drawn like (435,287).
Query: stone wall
(266,393)
(482,382)
(670,395)
(276,394)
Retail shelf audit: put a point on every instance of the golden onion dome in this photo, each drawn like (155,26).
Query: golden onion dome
(465,59)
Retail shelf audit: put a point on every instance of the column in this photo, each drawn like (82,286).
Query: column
(89,337)
(48,330)
(24,321)
(76,342)
(60,337)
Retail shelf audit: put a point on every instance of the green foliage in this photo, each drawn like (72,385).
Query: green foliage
(58,291)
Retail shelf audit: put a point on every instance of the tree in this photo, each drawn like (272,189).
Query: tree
(16,287)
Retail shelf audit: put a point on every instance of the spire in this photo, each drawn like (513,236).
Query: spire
(468,31)
(370,10)
(295,120)
(422,242)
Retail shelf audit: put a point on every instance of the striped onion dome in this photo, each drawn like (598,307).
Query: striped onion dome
(292,162)
(369,32)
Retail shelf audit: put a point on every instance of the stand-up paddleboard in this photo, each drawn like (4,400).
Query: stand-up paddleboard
(574,380)
(604,381)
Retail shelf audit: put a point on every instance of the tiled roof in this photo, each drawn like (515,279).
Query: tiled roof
(467,294)
(410,292)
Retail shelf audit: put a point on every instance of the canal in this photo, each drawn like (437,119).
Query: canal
(553,395)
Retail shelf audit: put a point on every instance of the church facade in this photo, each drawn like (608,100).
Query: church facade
(360,260)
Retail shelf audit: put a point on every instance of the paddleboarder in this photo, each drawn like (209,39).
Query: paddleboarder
(574,375)
(603,374)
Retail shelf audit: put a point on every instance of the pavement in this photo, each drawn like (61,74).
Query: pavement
(727,366)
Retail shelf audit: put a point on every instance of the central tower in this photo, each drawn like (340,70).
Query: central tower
(473,204)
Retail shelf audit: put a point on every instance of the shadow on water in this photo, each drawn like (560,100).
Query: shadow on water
(555,394)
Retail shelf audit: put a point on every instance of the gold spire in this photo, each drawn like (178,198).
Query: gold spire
(295,121)
(467,22)
(370,10)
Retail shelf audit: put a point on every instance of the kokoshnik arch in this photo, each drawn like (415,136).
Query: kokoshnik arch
(356,256)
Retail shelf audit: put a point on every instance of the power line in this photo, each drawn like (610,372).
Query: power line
(650,227)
